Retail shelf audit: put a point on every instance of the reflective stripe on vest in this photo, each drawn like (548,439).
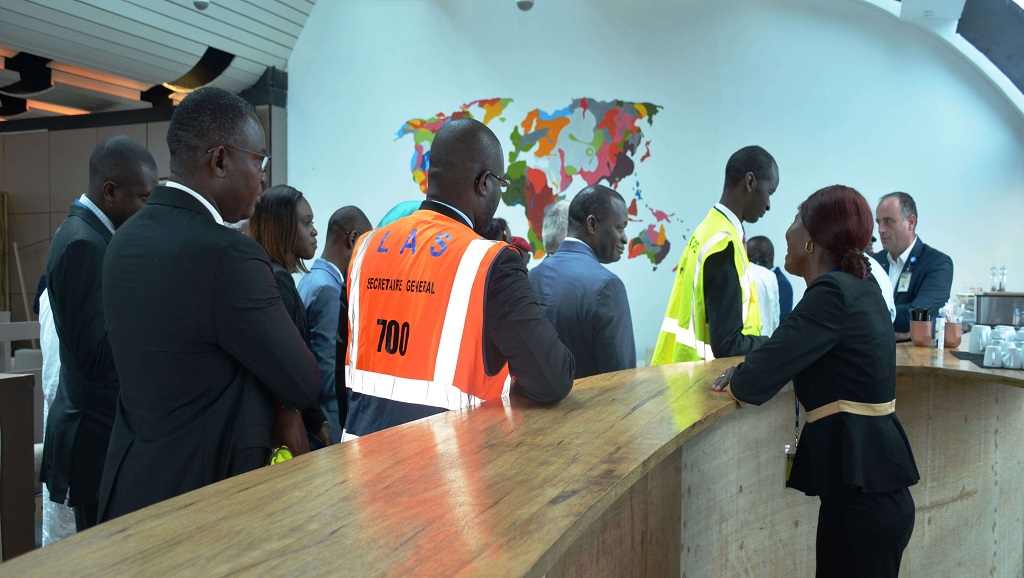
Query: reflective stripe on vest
(448,333)
(687,337)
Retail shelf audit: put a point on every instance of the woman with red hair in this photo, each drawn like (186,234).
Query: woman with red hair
(838,348)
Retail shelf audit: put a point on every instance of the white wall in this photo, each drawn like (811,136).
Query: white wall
(837,90)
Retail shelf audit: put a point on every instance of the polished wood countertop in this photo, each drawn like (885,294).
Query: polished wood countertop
(502,489)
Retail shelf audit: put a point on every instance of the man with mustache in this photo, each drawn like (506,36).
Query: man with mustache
(713,309)
(585,302)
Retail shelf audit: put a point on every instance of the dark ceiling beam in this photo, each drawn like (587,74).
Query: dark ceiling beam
(96,119)
(212,64)
(994,28)
(271,88)
(35,75)
(11,105)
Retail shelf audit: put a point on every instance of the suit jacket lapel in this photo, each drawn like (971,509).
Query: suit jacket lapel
(83,212)
(915,253)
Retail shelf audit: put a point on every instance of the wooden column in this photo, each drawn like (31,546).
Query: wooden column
(17,503)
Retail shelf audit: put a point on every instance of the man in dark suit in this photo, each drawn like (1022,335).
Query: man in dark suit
(585,302)
(921,276)
(202,342)
(121,173)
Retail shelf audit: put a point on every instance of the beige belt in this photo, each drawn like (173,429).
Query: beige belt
(859,408)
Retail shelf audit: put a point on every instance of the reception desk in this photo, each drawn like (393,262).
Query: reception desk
(638,473)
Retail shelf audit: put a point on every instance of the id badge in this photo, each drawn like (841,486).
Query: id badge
(903,285)
(790,451)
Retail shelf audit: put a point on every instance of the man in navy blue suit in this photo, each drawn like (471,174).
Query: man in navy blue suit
(585,302)
(921,276)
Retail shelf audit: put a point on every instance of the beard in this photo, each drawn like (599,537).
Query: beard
(484,226)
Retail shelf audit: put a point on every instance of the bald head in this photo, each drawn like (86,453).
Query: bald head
(462,153)
(761,251)
(121,174)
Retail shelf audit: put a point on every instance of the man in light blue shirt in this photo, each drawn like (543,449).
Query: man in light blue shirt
(323,293)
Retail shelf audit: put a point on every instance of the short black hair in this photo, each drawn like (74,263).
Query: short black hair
(496,230)
(208,117)
(761,251)
(907,205)
(345,220)
(593,200)
(751,159)
(115,159)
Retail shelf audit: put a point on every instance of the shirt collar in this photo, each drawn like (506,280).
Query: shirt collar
(333,267)
(213,212)
(461,214)
(903,256)
(732,218)
(85,201)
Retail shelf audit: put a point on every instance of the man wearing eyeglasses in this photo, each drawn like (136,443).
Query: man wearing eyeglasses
(441,319)
(203,346)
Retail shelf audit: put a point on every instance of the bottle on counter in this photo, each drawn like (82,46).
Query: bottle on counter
(940,332)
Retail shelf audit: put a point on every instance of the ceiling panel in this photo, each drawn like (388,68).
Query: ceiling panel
(128,46)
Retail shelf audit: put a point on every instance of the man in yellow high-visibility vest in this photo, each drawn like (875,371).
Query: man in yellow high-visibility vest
(713,309)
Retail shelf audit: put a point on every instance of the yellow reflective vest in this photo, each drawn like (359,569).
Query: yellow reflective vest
(684,331)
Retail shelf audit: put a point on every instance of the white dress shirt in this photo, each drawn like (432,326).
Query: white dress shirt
(213,211)
(767,297)
(896,267)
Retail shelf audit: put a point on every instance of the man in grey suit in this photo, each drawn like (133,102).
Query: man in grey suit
(121,174)
(202,343)
(585,302)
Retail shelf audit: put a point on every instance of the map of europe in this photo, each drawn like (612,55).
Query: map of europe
(589,139)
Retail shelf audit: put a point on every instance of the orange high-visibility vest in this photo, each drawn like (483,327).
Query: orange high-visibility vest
(416,314)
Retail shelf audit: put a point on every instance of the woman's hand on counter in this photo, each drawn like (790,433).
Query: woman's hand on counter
(722,381)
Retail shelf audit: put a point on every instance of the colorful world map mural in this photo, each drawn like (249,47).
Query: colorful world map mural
(589,139)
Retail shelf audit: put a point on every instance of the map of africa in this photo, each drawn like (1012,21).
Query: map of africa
(588,139)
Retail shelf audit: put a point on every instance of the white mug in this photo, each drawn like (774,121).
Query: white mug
(1012,358)
(980,335)
(992,356)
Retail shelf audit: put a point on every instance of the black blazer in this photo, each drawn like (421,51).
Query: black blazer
(837,343)
(203,346)
(78,426)
(931,280)
(312,417)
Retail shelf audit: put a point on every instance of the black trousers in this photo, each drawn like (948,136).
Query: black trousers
(85,515)
(863,535)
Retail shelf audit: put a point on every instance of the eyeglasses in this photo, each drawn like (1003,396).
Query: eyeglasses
(502,183)
(265,160)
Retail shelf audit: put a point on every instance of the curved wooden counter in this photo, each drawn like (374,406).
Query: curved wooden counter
(628,476)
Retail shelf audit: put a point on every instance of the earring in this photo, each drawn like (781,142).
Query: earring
(809,247)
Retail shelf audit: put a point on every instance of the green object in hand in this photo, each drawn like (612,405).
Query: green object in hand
(283,454)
